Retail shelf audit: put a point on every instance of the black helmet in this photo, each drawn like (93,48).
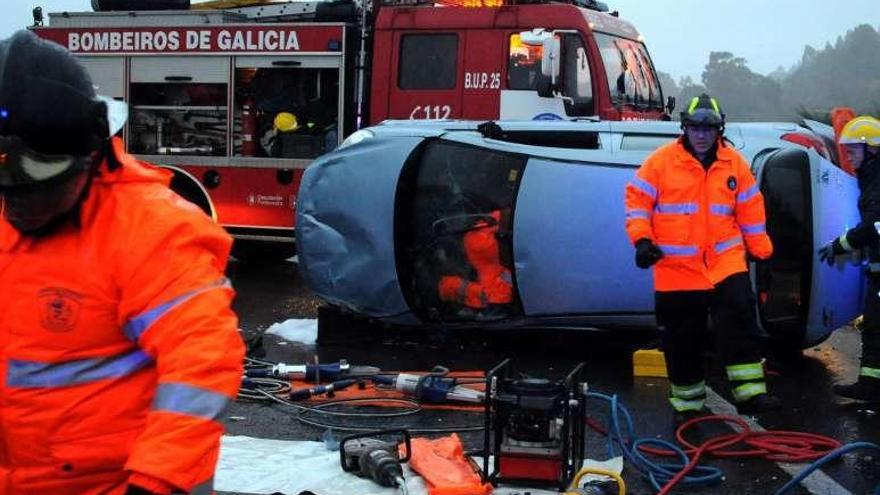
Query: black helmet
(703,110)
(47,98)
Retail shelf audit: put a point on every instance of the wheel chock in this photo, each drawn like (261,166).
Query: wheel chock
(649,363)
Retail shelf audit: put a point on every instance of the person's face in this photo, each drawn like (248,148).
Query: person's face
(30,209)
(856,153)
(701,137)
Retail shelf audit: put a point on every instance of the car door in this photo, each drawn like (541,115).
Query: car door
(572,258)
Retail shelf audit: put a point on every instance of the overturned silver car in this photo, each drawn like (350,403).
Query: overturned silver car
(382,225)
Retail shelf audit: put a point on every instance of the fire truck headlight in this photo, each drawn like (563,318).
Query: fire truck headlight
(356,137)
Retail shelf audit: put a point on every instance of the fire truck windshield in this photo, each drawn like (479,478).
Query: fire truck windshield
(630,73)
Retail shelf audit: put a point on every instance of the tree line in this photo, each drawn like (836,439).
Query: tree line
(846,73)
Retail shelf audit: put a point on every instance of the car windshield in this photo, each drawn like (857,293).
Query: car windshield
(630,73)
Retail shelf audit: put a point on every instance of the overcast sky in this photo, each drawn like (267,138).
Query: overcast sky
(679,33)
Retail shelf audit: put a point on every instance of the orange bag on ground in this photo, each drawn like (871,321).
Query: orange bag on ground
(445,468)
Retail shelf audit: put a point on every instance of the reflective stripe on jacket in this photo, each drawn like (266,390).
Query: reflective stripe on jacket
(702,220)
(118,347)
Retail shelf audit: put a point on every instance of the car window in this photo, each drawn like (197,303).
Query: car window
(453,225)
(428,61)
(644,142)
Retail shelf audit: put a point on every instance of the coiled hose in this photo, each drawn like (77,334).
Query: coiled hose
(779,446)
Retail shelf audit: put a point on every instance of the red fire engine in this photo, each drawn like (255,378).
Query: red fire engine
(238,100)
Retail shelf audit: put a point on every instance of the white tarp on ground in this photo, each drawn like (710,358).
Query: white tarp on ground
(260,466)
(302,331)
(256,465)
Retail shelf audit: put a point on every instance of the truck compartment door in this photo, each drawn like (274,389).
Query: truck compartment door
(287,106)
(198,69)
(179,105)
(108,75)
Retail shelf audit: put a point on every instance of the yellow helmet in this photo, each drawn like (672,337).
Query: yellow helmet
(286,122)
(863,129)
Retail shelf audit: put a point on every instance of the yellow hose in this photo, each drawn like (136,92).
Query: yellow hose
(621,486)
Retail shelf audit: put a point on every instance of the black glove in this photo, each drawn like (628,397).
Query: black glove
(647,253)
(136,490)
(830,250)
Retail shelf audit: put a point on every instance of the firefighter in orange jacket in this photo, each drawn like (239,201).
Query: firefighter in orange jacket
(118,347)
(494,284)
(695,210)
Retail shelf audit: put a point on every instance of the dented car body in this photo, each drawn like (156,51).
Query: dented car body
(382,222)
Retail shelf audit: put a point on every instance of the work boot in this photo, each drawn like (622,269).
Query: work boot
(759,404)
(865,389)
(681,417)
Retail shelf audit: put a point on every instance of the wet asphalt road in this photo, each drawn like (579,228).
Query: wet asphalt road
(273,293)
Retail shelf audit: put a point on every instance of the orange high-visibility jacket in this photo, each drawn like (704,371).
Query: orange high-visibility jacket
(494,284)
(118,347)
(703,221)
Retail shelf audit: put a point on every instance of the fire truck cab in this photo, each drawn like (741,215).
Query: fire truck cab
(238,101)
(532,61)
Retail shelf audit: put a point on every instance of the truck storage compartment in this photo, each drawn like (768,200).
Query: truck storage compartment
(179,105)
(286,106)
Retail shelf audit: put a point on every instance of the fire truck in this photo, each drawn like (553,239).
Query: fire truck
(238,97)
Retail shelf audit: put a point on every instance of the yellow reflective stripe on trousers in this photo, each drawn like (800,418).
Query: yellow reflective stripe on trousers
(743,372)
(689,391)
(686,405)
(870,372)
(746,391)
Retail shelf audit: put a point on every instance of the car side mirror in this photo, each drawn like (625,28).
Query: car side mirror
(550,58)
(534,37)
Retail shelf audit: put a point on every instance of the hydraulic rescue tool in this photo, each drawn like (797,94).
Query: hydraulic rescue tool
(305,393)
(367,456)
(313,372)
(433,388)
(534,428)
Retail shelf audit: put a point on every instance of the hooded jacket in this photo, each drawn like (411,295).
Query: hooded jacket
(118,347)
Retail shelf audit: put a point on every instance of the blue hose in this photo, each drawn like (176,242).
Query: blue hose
(834,454)
(658,474)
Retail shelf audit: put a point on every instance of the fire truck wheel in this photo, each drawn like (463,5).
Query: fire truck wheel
(190,189)
(262,252)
